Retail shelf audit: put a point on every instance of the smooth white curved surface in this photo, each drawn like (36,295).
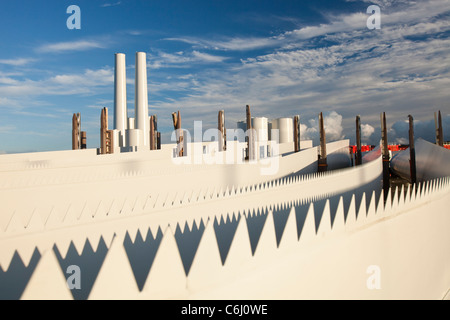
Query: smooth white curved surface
(141,96)
(432,161)
(120,97)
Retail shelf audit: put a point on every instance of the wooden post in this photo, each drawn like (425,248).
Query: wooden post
(297,133)
(109,141)
(106,136)
(156,134)
(103,129)
(75,132)
(323,147)
(176,117)
(436,126)
(152,134)
(250,137)
(358,159)
(412,151)
(155,131)
(83,140)
(222,131)
(385,156)
(158,140)
(439,132)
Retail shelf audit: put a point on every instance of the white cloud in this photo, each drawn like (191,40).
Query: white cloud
(366,131)
(89,78)
(7,129)
(400,14)
(362,72)
(89,82)
(17,61)
(8,81)
(343,23)
(80,45)
(399,131)
(181,59)
(332,124)
(205,57)
(231,43)
(105,5)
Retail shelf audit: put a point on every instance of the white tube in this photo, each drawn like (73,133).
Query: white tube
(116,140)
(134,137)
(130,123)
(120,98)
(286,129)
(432,161)
(261,127)
(141,96)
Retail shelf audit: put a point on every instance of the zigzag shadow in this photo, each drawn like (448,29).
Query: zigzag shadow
(255,225)
(89,263)
(14,280)
(141,254)
(224,232)
(187,242)
(280,217)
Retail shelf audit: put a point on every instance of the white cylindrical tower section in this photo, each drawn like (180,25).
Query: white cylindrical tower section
(286,129)
(141,96)
(131,123)
(134,137)
(120,97)
(260,124)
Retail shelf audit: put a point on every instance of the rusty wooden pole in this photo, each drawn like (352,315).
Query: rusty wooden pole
(75,133)
(109,141)
(83,140)
(412,151)
(176,117)
(297,133)
(322,162)
(250,137)
(158,140)
(79,129)
(156,134)
(222,132)
(103,129)
(155,131)
(385,156)
(106,136)
(441,133)
(248,118)
(181,134)
(152,134)
(436,126)
(358,159)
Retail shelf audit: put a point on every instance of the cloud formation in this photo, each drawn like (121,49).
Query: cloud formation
(332,122)
(17,61)
(70,46)
(337,66)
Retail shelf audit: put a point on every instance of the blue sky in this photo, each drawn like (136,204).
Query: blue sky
(281,57)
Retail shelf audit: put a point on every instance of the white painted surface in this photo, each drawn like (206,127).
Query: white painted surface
(76,196)
(120,97)
(141,96)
